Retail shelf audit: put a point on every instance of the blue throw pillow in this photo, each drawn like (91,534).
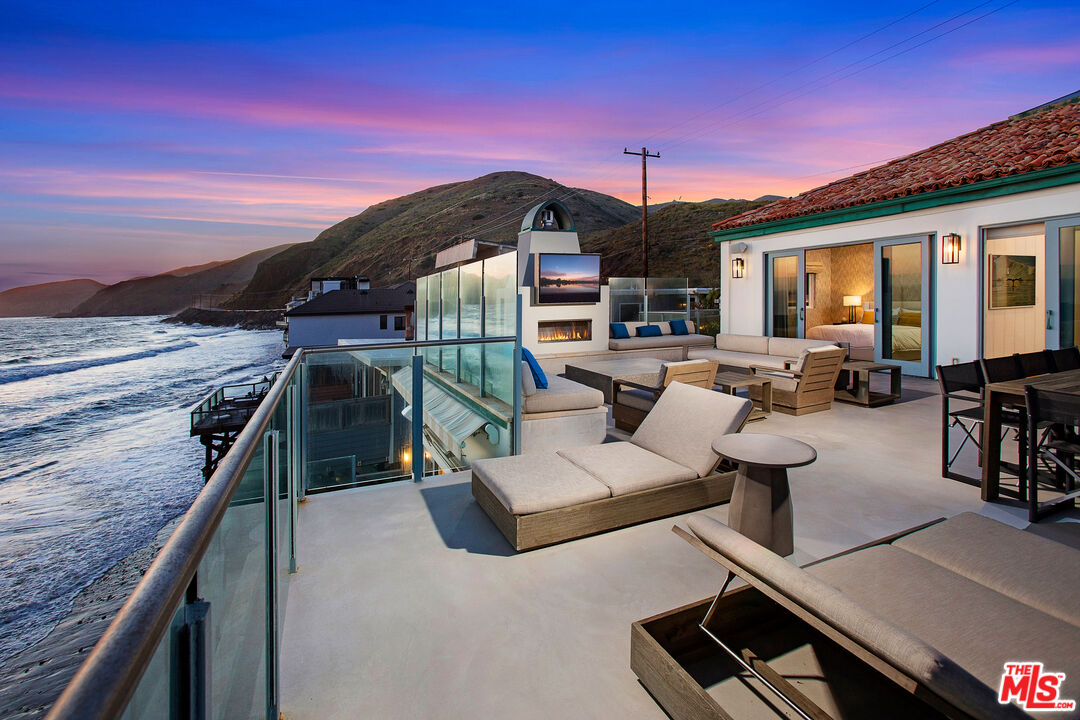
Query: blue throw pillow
(538,374)
(619,331)
(679,327)
(649,331)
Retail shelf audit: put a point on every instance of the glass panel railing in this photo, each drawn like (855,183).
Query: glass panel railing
(666,299)
(153,695)
(627,299)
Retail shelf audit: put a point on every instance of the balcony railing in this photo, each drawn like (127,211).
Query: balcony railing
(200,635)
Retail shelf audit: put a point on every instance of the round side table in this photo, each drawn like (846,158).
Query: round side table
(761,501)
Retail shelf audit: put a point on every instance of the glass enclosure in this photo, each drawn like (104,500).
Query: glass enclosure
(627,299)
(654,299)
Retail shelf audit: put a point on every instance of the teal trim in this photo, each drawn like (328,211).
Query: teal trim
(997,187)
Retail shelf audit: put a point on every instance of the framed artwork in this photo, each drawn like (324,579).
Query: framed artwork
(1012,281)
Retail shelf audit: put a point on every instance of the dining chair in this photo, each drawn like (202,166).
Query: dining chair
(1058,448)
(1003,369)
(1065,359)
(1035,363)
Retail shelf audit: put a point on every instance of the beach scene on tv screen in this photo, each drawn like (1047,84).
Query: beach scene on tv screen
(569,278)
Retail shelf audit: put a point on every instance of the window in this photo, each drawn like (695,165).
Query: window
(382,322)
(399,322)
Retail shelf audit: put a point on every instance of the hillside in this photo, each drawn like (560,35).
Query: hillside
(46,299)
(678,243)
(169,293)
(398,239)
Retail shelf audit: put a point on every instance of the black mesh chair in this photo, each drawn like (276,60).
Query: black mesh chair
(1035,363)
(1001,369)
(1059,448)
(964,383)
(1065,359)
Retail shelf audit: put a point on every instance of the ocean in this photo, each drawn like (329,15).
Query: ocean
(95,455)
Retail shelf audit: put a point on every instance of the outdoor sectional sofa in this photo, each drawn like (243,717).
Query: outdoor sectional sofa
(666,339)
(918,624)
(742,351)
(667,467)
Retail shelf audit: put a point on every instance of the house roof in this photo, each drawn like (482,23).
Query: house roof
(1045,137)
(360,302)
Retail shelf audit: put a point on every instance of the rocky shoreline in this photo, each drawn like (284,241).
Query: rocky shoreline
(32,680)
(243,319)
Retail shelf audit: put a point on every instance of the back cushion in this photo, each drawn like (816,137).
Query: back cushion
(666,430)
(743,343)
(909,318)
(528,384)
(792,347)
(805,356)
(665,327)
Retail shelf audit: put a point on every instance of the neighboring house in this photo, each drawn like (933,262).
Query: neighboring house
(968,249)
(375,314)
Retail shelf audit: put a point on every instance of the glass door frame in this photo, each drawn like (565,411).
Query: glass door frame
(926,310)
(800,300)
(1052,278)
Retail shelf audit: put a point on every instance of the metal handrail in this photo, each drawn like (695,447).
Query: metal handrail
(105,681)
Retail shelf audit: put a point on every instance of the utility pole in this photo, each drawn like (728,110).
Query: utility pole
(644,210)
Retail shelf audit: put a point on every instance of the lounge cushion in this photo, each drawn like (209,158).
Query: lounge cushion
(928,601)
(649,331)
(518,485)
(896,645)
(625,468)
(537,372)
(1034,570)
(793,347)
(528,384)
(743,343)
(562,395)
(637,399)
(638,343)
(618,330)
(686,420)
(779,380)
(732,358)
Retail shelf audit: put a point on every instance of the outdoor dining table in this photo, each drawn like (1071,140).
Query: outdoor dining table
(1011,392)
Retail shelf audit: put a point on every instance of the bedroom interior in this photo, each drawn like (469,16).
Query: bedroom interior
(840,299)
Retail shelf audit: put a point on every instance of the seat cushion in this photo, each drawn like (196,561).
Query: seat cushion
(978,628)
(637,399)
(625,468)
(562,395)
(731,358)
(534,483)
(1023,566)
(779,380)
(743,343)
(686,420)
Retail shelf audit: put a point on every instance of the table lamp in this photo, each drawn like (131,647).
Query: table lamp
(851,302)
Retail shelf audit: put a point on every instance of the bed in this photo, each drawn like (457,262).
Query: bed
(906,339)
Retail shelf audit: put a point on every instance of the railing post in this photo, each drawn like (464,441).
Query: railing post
(270,493)
(291,434)
(192,693)
(515,433)
(301,430)
(417,418)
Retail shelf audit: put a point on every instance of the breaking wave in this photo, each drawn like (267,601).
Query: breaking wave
(56,368)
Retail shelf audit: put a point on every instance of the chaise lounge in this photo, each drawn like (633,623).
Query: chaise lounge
(667,467)
(918,624)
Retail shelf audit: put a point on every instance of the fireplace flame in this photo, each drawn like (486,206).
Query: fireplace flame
(564,331)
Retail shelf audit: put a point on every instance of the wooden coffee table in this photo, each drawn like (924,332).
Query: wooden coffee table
(853,384)
(729,382)
(761,502)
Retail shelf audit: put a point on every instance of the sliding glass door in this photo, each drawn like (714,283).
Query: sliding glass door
(902,303)
(785,312)
(1062,282)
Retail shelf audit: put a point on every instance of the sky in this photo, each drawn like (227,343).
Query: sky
(138,137)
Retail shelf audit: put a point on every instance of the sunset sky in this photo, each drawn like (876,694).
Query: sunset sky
(139,138)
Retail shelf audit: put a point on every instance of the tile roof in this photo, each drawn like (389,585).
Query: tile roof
(359,302)
(1035,140)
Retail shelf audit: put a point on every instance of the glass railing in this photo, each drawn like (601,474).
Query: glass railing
(200,635)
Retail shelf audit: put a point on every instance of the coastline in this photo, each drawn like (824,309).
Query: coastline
(31,680)
(243,319)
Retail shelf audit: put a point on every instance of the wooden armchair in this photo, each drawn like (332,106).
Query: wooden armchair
(631,401)
(807,386)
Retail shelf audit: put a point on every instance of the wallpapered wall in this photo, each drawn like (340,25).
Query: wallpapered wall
(840,271)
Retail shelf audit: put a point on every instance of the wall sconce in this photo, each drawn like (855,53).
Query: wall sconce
(738,267)
(950,249)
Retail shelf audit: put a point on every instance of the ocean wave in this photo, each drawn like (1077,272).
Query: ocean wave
(45,369)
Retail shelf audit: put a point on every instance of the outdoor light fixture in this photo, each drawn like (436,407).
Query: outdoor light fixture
(851,302)
(738,267)
(950,249)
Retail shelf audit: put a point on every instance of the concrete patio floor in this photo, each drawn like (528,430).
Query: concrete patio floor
(408,603)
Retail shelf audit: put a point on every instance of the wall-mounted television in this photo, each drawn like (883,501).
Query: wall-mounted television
(567,279)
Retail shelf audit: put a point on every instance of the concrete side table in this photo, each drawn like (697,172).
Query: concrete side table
(761,502)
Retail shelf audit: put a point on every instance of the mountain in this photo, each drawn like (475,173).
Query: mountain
(397,239)
(46,299)
(678,242)
(169,293)
(769,198)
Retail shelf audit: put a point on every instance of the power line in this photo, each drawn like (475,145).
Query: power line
(645,155)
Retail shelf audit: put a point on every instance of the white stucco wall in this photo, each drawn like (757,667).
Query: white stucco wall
(955,288)
(318,330)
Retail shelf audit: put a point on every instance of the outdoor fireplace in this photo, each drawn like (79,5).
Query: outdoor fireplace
(564,330)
